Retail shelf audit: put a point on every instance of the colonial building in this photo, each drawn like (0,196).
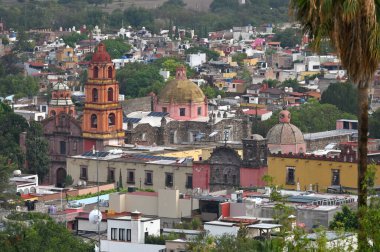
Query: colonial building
(62,131)
(301,171)
(226,170)
(135,170)
(180,115)
(102,116)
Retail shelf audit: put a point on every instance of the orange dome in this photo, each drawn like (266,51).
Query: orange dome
(101,54)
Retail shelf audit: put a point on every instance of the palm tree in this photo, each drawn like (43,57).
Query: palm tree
(352,26)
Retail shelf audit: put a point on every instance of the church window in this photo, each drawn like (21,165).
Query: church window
(94,121)
(110,72)
(335,177)
(111,119)
(53,113)
(110,94)
(94,95)
(199,111)
(62,147)
(290,175)
(96,72)
(182,112)
(164,109)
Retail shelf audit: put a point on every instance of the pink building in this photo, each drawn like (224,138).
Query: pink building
(182,99)
(285,137)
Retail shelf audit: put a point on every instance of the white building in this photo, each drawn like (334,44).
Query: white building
(25,183)
(31,115)
(194,60)
(128,234)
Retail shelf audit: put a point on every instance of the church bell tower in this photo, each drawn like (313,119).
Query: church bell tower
(102,115)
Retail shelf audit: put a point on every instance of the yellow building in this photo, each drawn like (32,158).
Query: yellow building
(292,171)
(67,57)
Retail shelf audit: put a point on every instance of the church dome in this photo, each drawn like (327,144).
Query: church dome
(60,86)
(181,90)
(285,133)
(101,55)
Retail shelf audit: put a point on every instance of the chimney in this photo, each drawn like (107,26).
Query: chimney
(137,232)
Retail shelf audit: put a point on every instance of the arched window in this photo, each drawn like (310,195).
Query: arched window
(96,72)
(110,72)
(94,121)
(111,119)
(53,113)
(94,95)
(110,94)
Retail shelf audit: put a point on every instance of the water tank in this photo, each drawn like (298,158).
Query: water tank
(95,216)
(17,173)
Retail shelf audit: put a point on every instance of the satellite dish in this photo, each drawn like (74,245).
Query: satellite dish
(95,216)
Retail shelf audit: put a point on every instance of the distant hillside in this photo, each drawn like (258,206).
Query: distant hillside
(200,5)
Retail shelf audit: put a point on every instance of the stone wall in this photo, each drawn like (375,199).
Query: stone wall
(137,104)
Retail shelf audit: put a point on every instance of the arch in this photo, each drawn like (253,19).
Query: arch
(32,189)
(53,113)
(110,70)
(110,94)
(94,121)
(96,72)
(26,191)
(60,177)
(111,119)
(94,95)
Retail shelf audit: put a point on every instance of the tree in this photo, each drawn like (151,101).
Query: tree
(342,95)
(6,168)
(72,39)
(137,78)
(309,117)
(239,57)
(346,219)
(117,47)
(43,234)
(37,149)
(355,22)
(289,37)
(293,83)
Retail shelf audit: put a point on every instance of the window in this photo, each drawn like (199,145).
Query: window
(128,235)
(62,147)
(96,72)
(131,177)
(335,177)
(110,72)
(111,119)
(52,113)
(189,181)
(121,234)
(182,112)
(164,109)
(169,179)
(110,94)
(234,179)
(148,178)
(233,85)
(199,111)
(83,172)
(113,233)
(111,175)
(290,175)
(94,121)
(225,178)
(94,95)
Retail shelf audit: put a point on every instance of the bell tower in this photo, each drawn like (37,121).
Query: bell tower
(102,115)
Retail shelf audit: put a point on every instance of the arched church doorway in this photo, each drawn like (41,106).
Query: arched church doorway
(61,176)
